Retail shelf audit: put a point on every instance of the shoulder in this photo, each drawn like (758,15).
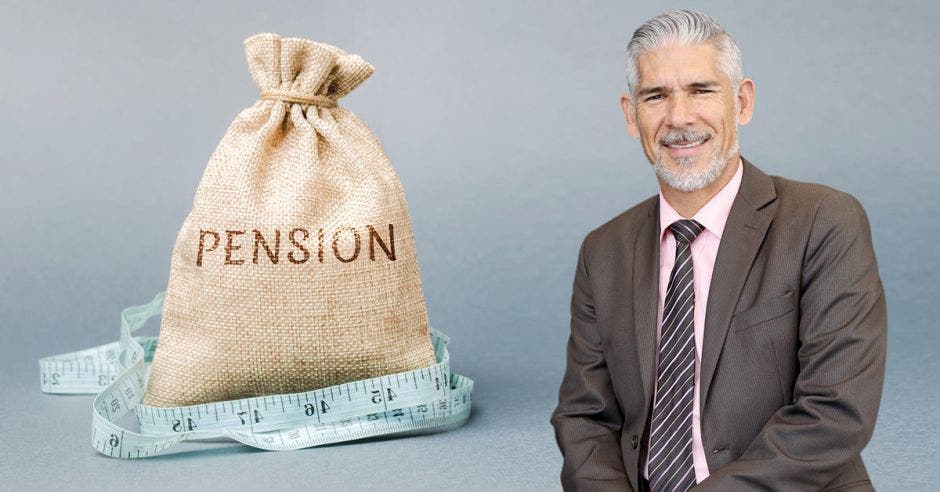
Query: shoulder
(822,205)
(614,234)
(828,222)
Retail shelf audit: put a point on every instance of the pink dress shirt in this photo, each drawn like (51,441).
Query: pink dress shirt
(712,216)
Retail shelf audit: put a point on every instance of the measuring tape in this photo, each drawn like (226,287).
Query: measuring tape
(431,397)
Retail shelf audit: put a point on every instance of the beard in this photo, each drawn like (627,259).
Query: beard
(686,177)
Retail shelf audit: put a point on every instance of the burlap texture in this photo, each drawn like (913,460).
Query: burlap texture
(337,308)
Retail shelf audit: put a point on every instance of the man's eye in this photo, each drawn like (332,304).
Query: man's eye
(654,98)
(702,91)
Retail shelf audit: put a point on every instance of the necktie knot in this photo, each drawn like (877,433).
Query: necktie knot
(685,231)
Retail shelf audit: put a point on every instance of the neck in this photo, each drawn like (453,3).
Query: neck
(687,203)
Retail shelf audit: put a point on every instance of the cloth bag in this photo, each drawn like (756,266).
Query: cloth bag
(296,268)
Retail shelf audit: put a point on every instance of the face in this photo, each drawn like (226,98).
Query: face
(686,114)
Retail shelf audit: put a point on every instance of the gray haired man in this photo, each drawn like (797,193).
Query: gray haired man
(729,332)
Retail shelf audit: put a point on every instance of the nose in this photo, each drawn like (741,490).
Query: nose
(680,113)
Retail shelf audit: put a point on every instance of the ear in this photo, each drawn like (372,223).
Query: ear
(630,114)
(745,101)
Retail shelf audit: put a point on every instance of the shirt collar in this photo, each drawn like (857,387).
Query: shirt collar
(712,215)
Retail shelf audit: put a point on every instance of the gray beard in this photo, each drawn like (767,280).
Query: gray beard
(688,179)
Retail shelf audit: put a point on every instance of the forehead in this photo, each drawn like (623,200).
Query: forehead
(677,65)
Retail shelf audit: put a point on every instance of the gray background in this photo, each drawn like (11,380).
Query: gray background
(503,122)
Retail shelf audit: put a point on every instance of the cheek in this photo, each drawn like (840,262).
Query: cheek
(648,127)
(716,114)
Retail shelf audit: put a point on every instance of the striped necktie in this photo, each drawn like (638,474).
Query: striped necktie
(670,462)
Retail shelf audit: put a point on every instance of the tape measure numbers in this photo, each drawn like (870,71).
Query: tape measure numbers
(425,398)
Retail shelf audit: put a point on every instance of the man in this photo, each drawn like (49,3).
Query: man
(729,332)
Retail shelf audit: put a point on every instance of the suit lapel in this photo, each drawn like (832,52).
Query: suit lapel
(744,232)
(646,295)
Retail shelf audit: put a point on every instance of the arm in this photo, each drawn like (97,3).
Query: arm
(588,419)
(842,336)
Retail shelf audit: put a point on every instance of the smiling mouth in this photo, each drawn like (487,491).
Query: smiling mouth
(686,145)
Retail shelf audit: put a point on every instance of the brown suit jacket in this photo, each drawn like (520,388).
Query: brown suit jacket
(793,355)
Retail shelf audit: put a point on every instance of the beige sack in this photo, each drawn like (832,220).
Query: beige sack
(296,268)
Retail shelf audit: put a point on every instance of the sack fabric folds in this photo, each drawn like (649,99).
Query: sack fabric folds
(296,268)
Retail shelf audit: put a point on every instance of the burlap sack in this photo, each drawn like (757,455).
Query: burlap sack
(296,268)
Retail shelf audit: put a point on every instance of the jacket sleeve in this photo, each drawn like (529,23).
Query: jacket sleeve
(588,419)
(842,333)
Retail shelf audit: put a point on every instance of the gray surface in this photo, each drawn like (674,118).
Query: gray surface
(505,128)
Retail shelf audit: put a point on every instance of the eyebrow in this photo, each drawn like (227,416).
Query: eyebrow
(703,85)
(706,84)
(651,90)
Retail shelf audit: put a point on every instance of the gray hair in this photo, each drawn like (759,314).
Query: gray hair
(686,27)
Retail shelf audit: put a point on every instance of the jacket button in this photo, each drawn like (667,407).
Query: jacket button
(636,441)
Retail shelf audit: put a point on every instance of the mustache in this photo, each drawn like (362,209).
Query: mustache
(680,137)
